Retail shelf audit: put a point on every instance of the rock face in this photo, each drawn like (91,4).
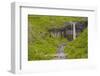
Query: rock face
(70,30)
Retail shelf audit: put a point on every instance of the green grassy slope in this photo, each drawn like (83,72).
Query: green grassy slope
(78,48)
(43,47)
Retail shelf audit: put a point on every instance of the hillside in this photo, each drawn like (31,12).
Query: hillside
(43,47)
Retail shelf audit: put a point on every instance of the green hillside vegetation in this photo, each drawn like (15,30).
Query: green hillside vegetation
(78,48)
(43,47)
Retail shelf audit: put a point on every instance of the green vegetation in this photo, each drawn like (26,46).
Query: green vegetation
(78,48)
(43,47)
